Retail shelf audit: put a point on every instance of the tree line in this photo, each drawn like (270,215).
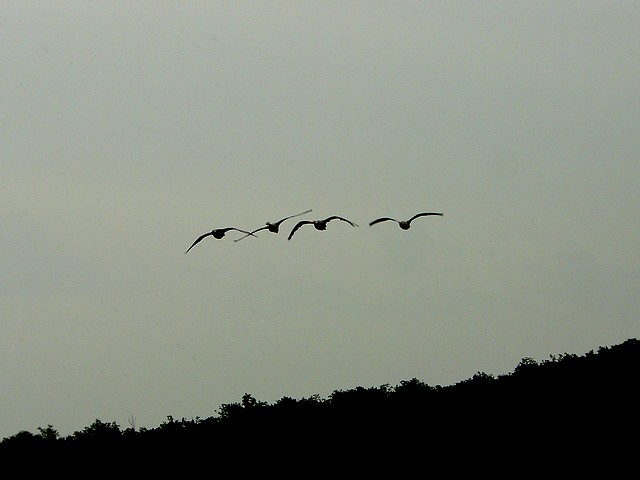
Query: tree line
(545,410)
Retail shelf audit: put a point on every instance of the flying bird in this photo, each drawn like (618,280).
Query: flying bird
(272,227)
(319,224)
(404,224)
(216,233)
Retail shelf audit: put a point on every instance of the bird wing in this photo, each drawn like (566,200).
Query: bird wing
(423,214)
(250,233)
(335,217)
(291,216)
(198,240)
(298,225)
(239,230)
(383,219)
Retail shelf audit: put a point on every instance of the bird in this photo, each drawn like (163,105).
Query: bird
(404,224)
(319,224)
(272,227)
(216,233)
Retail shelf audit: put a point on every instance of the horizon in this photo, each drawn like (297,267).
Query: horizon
(131,420)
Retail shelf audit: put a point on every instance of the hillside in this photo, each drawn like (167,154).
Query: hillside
(567,409)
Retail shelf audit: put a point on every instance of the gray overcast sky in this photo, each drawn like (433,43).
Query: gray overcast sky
(130,128)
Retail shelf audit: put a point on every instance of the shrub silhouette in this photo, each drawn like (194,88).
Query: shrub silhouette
(540,411)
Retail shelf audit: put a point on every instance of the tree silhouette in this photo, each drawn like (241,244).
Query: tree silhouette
(542,411)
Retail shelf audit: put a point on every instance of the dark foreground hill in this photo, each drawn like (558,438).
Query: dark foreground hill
(568,415)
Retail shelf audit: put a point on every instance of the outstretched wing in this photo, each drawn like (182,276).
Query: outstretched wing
(383,219)
(423,214)
(198,240)
(291,216)
(249,233)
(239,230)
(298,225)
(335,217)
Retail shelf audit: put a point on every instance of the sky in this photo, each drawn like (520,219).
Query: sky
(128,129)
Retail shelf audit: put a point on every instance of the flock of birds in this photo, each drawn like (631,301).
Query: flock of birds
(318,224)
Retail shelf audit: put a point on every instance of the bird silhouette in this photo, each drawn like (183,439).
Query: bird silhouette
(319,224)
(272,227)
(404,224)
(215,233)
